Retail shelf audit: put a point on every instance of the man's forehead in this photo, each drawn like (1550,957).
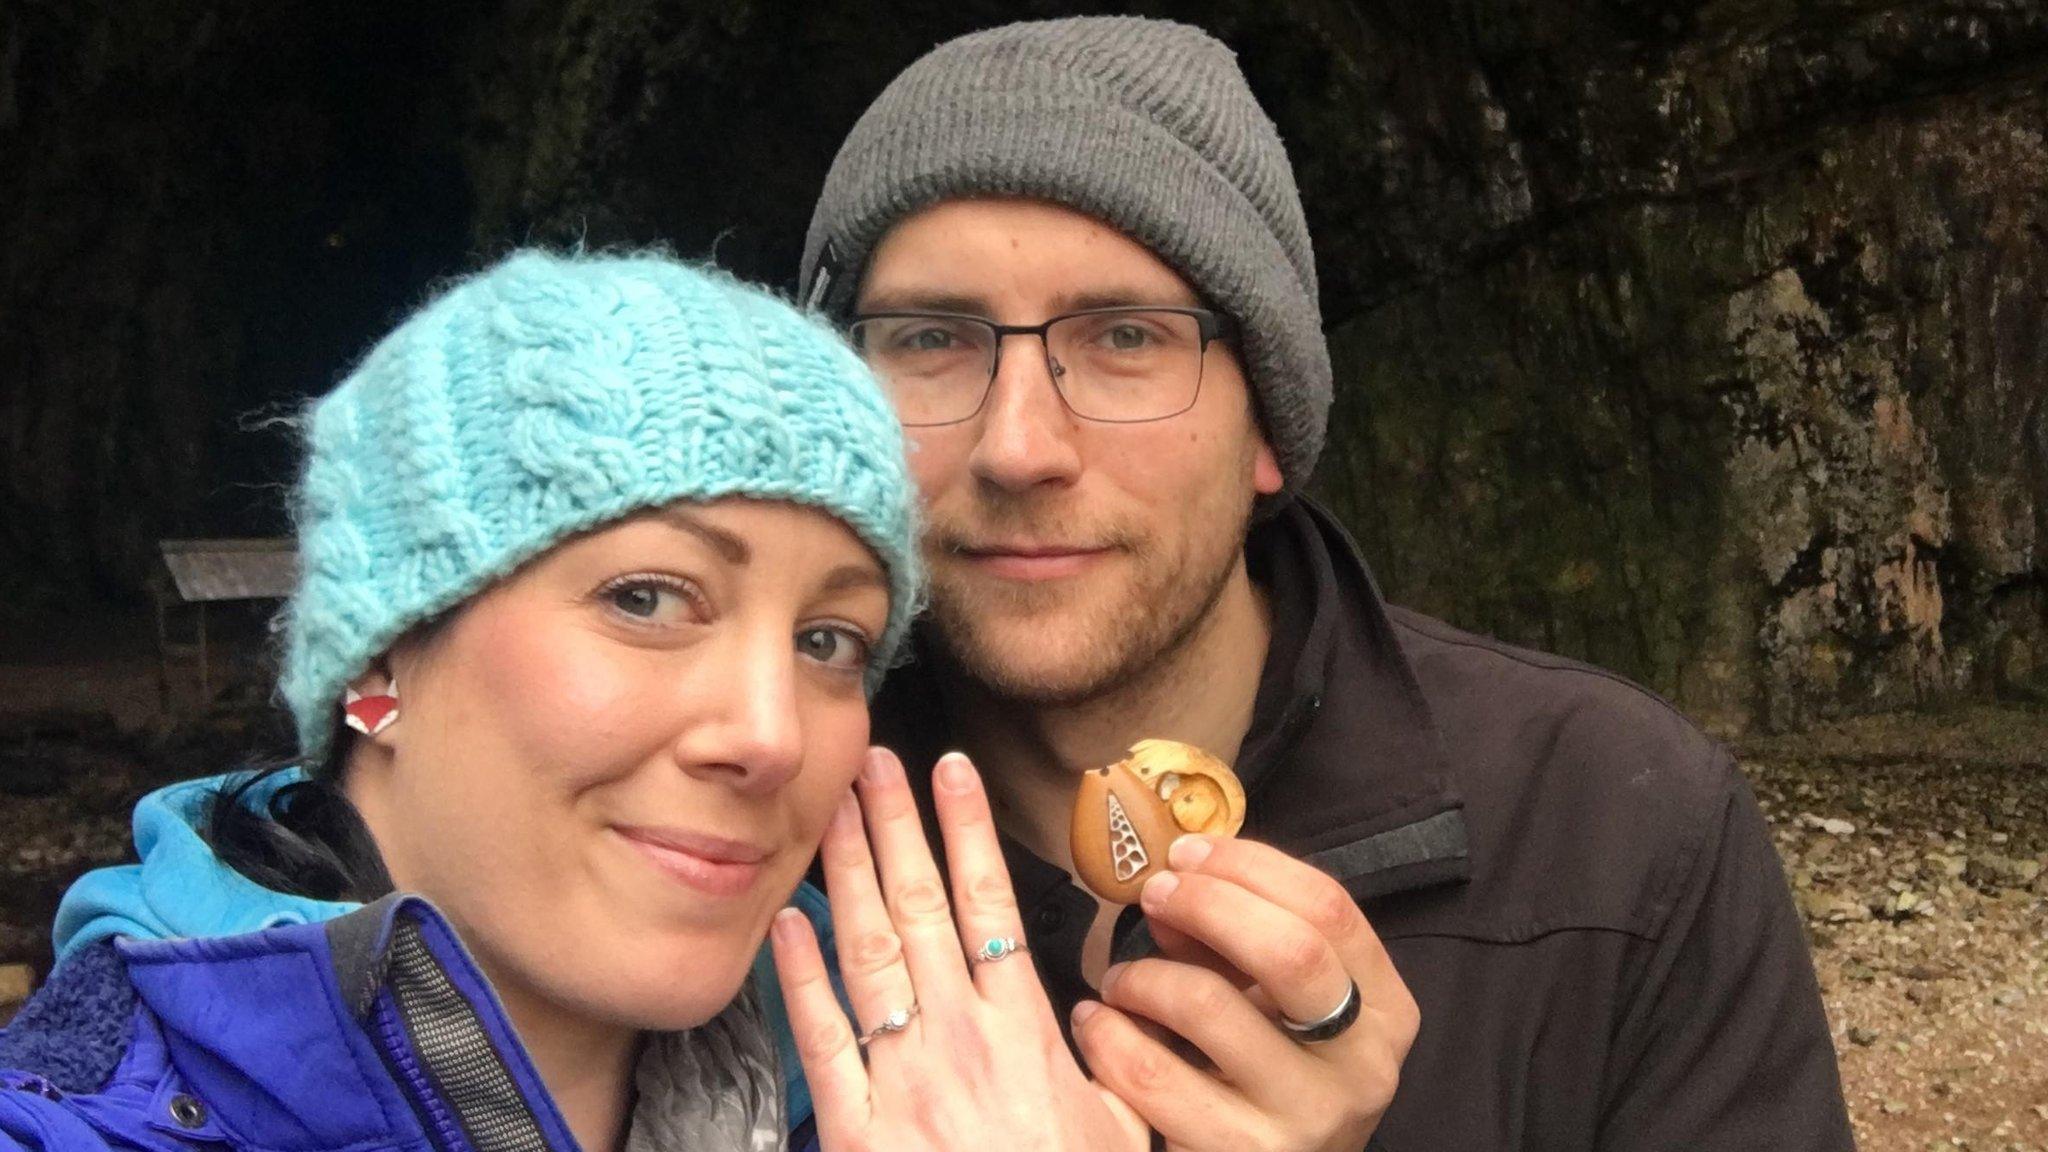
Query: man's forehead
(977,256)
(992,303)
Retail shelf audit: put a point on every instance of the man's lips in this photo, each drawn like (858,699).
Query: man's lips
(711,864)
(1027,562)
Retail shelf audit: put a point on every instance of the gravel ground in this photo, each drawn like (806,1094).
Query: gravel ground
(1915,845)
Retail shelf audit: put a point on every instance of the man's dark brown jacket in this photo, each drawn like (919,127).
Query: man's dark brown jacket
(1574,881)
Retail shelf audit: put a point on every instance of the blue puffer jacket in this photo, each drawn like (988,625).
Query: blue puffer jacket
(193,1009)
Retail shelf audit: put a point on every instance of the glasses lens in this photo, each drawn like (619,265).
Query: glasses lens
(937,368)
(1128,365)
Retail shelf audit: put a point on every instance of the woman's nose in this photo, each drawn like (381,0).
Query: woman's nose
(747,729)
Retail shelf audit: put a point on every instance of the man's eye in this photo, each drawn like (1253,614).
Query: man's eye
(928,340)
(834,647)
(1128,337)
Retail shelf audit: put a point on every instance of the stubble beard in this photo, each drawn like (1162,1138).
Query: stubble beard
(1049,646)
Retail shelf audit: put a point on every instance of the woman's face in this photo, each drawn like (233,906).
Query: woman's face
(611,769)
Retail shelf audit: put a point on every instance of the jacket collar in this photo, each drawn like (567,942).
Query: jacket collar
(178,886)
(378,1028)
(276,1032)
(1343,764)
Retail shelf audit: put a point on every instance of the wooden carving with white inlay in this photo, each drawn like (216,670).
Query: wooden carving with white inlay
(1127,814)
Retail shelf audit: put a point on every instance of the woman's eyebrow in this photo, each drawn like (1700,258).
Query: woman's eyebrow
(735,552)
(849,576)
(731,547)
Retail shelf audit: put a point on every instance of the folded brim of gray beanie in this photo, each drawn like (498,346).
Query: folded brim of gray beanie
(1146,125)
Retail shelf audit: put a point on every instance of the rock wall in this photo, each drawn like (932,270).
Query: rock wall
(1704,341)
(1723,362)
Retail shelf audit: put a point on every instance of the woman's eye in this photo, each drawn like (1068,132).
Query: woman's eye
(834,647)
(649,601)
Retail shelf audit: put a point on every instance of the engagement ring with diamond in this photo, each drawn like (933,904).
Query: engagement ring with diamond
(896,1021)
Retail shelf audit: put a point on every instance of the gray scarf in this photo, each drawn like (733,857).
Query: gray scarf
(714,1088)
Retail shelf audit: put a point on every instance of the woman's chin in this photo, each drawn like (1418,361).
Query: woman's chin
(668,989)
(622,963)
(667,1010)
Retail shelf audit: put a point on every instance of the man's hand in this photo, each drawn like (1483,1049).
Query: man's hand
(1250,935)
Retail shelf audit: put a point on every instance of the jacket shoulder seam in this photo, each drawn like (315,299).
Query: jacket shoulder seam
(1694,754)
(1709,829)
(1515,939)
(1410,621)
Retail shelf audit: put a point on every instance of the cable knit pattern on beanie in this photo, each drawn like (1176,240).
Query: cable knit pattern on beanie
(575,412)
(551,394)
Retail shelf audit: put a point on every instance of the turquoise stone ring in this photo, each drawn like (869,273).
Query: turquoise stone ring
(998,948)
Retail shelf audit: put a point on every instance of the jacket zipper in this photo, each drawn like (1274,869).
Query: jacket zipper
(440,1051)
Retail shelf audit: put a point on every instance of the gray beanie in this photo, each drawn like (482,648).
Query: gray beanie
(1144,124)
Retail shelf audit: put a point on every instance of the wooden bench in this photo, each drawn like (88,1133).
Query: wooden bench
(205,572)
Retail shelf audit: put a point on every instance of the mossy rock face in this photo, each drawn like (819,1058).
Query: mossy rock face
(1767,431)
(1701,340)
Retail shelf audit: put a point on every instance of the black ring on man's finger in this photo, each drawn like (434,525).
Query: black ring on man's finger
(1338,1022)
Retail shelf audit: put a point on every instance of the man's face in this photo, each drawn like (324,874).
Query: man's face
(1066,556)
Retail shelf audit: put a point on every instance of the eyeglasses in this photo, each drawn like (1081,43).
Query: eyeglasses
(1114,365)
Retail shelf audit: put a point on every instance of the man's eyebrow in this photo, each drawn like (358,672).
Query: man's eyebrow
(920,300)
(1082,301)
(729,546)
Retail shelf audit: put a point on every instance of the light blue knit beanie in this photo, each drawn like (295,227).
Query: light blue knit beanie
(551,394)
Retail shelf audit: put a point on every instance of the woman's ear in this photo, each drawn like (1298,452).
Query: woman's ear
(370,703)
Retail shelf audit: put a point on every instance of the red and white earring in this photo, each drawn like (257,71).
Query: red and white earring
(370,714)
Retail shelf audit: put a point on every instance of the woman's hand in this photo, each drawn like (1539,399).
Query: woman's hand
(1250,935)
(979,1062)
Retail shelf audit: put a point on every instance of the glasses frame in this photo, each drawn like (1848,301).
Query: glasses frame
(1212,325)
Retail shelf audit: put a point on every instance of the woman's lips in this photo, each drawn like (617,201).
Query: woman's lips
(711,865)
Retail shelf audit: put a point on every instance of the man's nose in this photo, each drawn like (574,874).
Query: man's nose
(747,731)
(1026,435)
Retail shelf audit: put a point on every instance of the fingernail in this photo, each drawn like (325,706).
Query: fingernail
(1110,977)
(785,927)
(1084,1010)
(1157,889)
(876,770)
(1188,852)
(955,774)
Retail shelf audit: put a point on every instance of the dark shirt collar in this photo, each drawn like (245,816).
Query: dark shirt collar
(1343,764)
(1293,572)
